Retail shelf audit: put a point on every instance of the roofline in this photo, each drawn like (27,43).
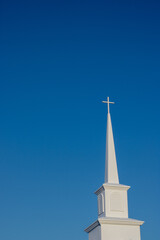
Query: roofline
(92,226)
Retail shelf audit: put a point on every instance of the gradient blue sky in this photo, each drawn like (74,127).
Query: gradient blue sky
(59,60)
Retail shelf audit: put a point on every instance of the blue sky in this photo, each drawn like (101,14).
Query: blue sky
(59,60)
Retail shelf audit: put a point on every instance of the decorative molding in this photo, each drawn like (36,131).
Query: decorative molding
(116,202)
(100,204)
(120,221)
(111,186)
(114,221)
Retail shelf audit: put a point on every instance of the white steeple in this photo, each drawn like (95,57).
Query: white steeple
(113,221)
(111,172)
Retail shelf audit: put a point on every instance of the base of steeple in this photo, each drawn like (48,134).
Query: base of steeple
(115,228)
(114,221)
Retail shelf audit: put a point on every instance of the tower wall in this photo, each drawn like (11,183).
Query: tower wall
(116,203)
(112,200)
(120,232)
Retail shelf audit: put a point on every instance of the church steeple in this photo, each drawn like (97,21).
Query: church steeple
(111,172)
(113,222)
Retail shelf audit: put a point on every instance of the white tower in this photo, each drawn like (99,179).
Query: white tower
(113,222)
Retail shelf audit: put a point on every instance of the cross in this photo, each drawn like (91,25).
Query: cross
(108,102)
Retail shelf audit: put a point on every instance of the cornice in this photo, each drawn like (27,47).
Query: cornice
(111,186)
(120,221)
(114,221)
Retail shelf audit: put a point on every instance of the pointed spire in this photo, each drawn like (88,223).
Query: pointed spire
(111,172)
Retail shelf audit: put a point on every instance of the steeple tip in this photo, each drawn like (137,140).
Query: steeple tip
(108,102)
(111,172)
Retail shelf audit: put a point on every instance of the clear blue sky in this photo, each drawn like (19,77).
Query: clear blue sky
(58,61)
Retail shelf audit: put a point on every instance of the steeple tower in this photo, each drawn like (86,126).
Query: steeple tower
(113,222)
(111,172)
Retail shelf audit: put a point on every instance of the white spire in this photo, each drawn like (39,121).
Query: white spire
(111,172)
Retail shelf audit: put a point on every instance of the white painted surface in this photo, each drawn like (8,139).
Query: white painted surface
(111,172)
(119,232)
(115,201)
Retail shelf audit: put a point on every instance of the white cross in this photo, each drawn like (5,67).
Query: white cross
(108,102)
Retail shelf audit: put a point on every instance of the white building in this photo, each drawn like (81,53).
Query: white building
(113,222)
